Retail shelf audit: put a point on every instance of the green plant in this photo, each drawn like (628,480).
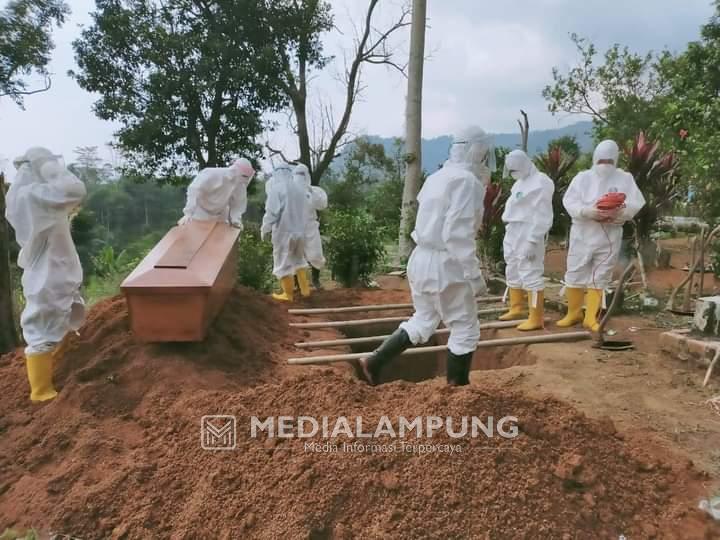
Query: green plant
(558,165)
(107,263)
(354,248)
(255,261)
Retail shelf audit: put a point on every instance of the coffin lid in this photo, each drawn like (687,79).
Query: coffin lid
(188,256)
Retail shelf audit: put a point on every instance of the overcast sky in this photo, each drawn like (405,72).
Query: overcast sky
(487,59)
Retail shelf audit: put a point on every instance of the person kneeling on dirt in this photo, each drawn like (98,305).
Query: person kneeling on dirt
(219,194)
(599,202)
(40,203)
(528,217)
(286,211)
(443,270)
(318,201)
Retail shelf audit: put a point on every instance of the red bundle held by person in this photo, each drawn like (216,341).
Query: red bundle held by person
(611,201)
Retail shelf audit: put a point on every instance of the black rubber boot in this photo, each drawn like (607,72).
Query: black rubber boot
(458,368)
(316,279)
(384,354)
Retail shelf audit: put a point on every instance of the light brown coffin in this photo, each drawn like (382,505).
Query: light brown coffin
(176,292)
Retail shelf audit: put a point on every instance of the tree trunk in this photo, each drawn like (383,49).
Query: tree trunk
(413,129)
(8,333)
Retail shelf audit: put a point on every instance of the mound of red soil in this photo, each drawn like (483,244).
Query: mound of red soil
(118,454)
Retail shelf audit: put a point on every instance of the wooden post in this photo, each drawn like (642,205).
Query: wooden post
(9,338)
(490,343)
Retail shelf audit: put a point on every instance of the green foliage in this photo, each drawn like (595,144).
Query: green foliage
(25,43)
(255,261)
(188,81)
(619,94)
(690,119)
(559,165)
(490,239)
(655,173)
(108,263)
(371,181)
(99,288)
(355,246)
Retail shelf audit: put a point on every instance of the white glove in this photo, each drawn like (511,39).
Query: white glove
(264,234)
(184,220)
(528,252)
(479,287)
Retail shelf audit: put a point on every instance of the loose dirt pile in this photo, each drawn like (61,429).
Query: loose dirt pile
(118,454)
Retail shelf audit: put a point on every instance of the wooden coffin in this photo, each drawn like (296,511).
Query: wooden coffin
(176,292)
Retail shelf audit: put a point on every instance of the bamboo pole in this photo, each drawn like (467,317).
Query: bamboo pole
(365,322)
(505,342)
(711,367)
(376,339)
(378,307)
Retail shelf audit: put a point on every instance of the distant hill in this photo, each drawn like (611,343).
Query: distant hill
(435,151)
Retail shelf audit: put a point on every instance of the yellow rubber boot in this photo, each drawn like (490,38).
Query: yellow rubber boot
(536,320)
(575,298)
(288,286)
(517,306)
(592,309)
(39,371)
(302,277)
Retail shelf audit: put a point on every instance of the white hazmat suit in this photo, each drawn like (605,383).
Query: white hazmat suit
(596,235)
(39,204)
(317,201)
(528,217)
(443,270)
(219,194)
(286,211)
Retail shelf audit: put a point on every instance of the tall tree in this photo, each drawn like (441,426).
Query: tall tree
(26,43)
(189,80)
(413,128)
(619,94)
(690,118)
(322,135)
(25,46)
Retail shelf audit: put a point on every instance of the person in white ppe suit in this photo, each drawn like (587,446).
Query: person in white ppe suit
(596,233)
(286,212)
(40,203)
(317,201)
(528,217)
(443,270)
(219,194)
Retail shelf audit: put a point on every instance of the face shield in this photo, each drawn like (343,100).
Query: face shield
(474,148)
(605,158)
(301,175)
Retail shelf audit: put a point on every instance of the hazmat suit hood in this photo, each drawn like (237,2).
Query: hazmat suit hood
(474,149)
(518,165)
(36,167)
(243,170)
(606,150)
(301,175)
